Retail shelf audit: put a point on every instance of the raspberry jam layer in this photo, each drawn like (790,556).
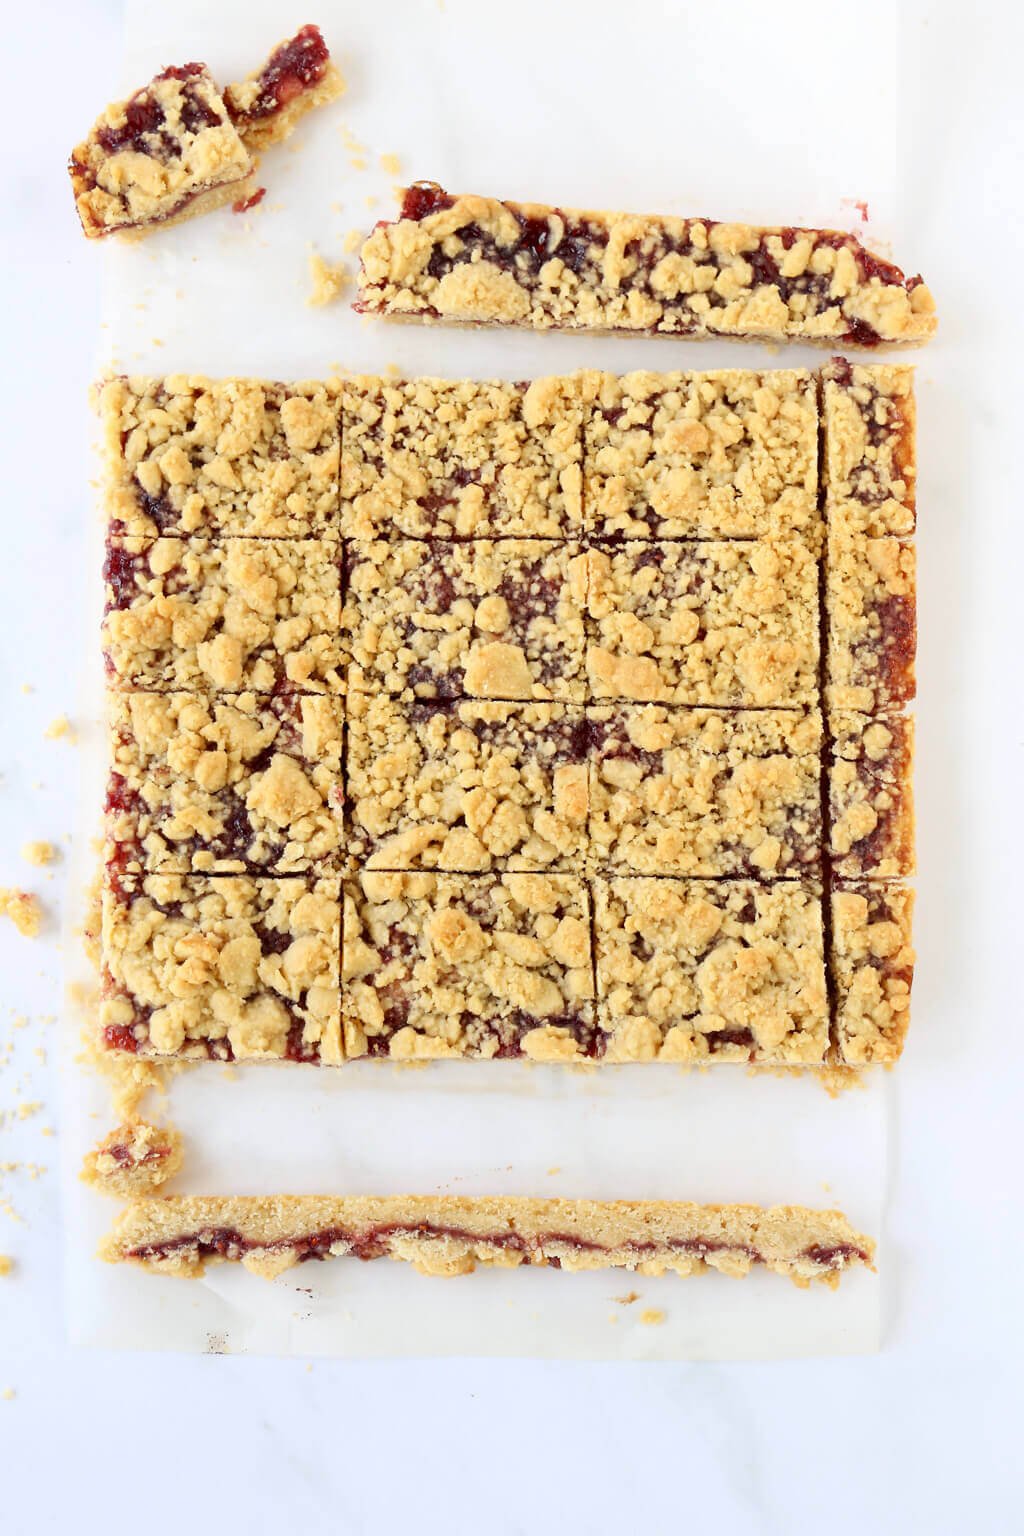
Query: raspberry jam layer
(295,67)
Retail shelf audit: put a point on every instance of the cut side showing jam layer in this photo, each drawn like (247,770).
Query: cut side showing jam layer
(296,77)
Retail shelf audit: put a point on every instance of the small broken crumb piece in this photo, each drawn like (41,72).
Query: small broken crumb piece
(39,853)
(23,909)
(391,164)
(328,281)
(6,1264)
(352,241)
(298,76)
(628,1299)
(652,1317)
(136,1158)
(59,728)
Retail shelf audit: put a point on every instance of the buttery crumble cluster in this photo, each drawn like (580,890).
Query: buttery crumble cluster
(559,719)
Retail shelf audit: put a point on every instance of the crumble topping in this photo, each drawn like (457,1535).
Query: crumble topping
(187,454)
(168,152)
(134,1159)
(476,260)
(872,808)
(227,968)
(872,968)
(456,965)
(871,595)
(702,455)
(870,466)
(705,792)
(466,787)
(299,75)
(492,619)
(247,614)
(242,783)
(727,623)
(463,458)
(688,970)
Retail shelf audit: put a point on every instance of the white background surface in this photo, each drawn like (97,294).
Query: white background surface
(916,110)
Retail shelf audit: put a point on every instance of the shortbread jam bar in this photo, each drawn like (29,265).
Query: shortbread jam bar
(243,782)
(168,152)
(460,786)
(221,968)
(476,260)
(186,454)
(244,615)
(492,619)
(435,458)
(298,76)
(462,965)
(717,623)
(705,792)
(871,601)
(872,965)
(870,466)
(690,970)
(452,1234)
(701,455)
(134,1159)
(871,829)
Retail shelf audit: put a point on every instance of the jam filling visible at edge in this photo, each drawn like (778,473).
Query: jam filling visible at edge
(296,66)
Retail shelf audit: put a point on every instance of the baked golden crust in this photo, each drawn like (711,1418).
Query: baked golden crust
(462,965)
(692,970)
(223,968)
(450,1235)
(186,454)
(168,152)
(206,784)
(870,466)
(297,76)
(701,455)
(479,261)
(871,795)
(872,970)
(462,458)
(726,623)
(491,619)
(244,615)
(462,786)
(134,1159)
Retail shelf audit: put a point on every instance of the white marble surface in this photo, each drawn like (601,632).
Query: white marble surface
(920,1436)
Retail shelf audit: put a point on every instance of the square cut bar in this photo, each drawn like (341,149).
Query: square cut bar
(204,784)
(705,792)
(691,970)
(714,624)
(871,802)
(492,619)
(298,76)
(245,615)
(186,454)
(457,458)
(871,601)
(478,261)
(872,964)
(701,455)
(168,152)
(452,1234)
(870,467)
(222,967)
(463,965)
(465,786)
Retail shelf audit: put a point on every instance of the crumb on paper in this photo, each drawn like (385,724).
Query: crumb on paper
(652,1317)
(628,1299)
(59,729)
(328,281)
(23,909)
(371,201)
(836,1080)
(27,688)
(29,1107)
(392,370)
(7,1394)
(391,164)
(353,240)
(6,1264)
(39,853)
(556,1169)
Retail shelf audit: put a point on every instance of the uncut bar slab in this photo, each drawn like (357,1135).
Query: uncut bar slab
(705,792)
(244,615)
(713,624)
(187,454)
(701,455)
(871,601)
(869,418)
(472,966)
(479,261)
(495,618)
(452,1234)
(872,964)
(221,968)
(697,971)
(458,458)
(245,782)
(871,832)
(463,786)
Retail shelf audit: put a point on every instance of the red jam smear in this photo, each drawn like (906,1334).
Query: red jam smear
(245,203)
(296,66)
(144,118)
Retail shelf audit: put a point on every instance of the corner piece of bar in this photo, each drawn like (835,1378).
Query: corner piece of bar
(299,75)
(872,965)
(870,466)
(450,1235)
(871,797)
(481,261)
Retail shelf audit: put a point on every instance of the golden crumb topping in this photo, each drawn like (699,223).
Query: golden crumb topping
(872,967)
